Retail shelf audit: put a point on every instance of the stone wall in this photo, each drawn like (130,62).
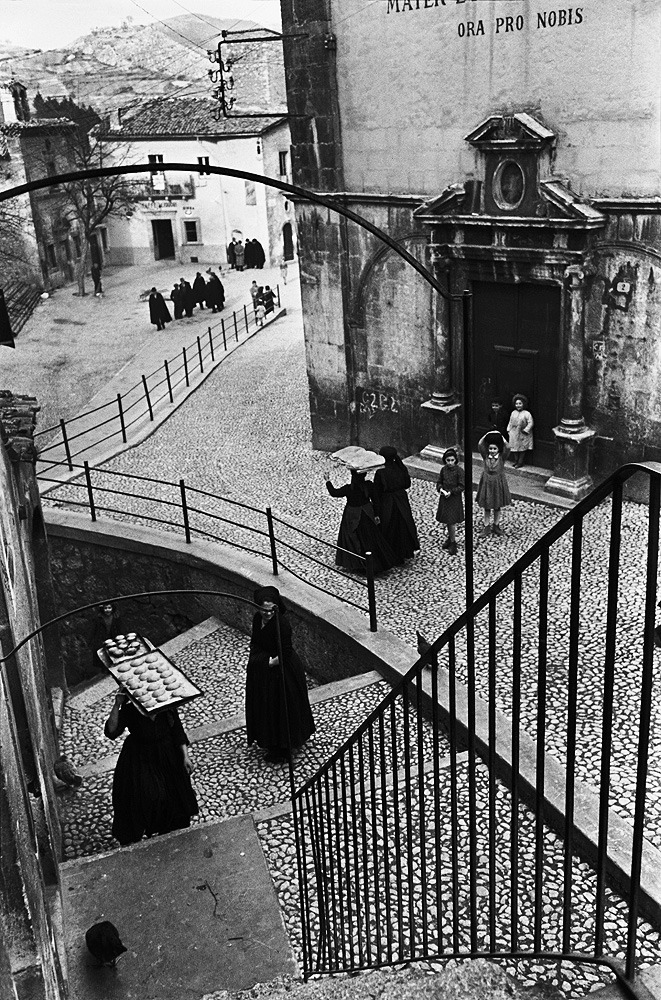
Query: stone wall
(623,341)
(30,952)
(414,76)
(95,562)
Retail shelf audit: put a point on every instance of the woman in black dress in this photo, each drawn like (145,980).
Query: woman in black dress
(268,711)
(151,788)
(359,530)
(392,507)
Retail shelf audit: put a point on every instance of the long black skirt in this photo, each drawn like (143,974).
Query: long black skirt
(359,534)
(151,791)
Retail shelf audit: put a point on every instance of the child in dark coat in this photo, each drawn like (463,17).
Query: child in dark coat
(450,487)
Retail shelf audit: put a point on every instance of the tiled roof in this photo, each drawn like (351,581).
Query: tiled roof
(185,116)
(37,125)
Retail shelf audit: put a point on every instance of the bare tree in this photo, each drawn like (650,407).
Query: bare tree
(88,203)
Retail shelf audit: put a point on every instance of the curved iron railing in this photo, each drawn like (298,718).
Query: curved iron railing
(198,514)
(450,823)
(140,399)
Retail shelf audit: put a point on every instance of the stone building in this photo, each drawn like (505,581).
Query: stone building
(516,153)
(32,961)
(193,217)
(47,244)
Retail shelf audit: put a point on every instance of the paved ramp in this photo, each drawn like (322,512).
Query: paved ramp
(197,911)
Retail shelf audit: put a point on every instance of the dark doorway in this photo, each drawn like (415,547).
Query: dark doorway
(287,241)
(163,239)
(516,331)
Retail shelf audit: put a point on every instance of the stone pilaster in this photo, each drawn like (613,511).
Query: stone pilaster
(572,436)
(441,412)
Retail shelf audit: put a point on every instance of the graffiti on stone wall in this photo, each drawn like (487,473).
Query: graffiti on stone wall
(372,402)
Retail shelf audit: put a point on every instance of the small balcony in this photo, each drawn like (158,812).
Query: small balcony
(163,187)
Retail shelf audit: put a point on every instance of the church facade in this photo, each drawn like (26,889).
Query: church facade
(516,154)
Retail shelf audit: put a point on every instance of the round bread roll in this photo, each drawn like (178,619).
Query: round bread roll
(137,660)
(151,675)
(124,668)
(131,635)
(133,683)
(155,686)
(152,657)
(119,637)
(164,696)
(172,684)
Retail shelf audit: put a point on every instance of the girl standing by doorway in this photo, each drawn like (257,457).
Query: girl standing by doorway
(450,486)
(493,492)
(519,430)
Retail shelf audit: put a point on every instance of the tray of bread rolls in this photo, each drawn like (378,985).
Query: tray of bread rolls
(150,679)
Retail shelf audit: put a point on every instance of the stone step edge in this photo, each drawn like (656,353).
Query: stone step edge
(326,692)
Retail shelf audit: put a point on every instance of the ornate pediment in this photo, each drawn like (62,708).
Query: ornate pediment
(509,132)
(555,203)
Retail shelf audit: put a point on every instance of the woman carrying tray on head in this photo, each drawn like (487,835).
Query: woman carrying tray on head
(151,789)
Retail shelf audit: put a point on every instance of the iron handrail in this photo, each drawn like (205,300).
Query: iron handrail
(178,504)
(368,916)
(136,387)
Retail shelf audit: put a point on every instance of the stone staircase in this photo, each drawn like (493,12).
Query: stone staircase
(240,850)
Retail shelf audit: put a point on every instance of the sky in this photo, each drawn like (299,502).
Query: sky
(49,24)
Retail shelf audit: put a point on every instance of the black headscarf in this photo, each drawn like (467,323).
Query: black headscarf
(271,594)
(394,475)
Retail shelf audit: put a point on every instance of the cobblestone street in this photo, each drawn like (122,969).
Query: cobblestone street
(245,435)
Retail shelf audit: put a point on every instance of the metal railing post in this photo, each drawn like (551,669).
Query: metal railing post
(222,327)
(144,383)
(67,450)
(90,495)
(184,509)
(277,288)
(371,596)
(236,327)
(167,378)
(274,555)
(121,416)
(199,352)
(245,316)
(211,345)
(183,351)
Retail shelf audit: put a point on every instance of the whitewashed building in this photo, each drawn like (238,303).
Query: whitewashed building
(192,217)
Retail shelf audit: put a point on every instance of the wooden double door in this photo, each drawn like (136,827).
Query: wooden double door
(516,348)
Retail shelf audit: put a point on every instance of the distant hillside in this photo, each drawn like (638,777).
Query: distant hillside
(120,66)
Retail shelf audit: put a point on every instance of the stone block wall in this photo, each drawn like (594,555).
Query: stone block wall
(623,341)
(91,561)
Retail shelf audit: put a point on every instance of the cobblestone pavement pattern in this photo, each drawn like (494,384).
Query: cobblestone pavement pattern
(259,451)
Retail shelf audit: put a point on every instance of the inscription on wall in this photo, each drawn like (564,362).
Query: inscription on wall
(557,17)
(372,402)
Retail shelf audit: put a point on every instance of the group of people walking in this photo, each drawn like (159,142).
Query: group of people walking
(263,301)
(185,297)
(245,255)
(152,791)
(378,519)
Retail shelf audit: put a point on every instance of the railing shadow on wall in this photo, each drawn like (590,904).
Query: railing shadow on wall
(118,416)
(198,514)
(436,831)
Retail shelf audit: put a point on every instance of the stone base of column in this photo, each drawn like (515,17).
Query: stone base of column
(571,477)
(443,423)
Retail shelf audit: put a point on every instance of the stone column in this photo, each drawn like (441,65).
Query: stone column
(571,476)
(441,412)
